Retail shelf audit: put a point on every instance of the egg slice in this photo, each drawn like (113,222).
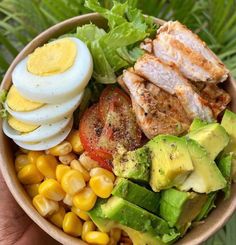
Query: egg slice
(18,103)
(48,113)
(21,126)
(47,143)
(41,133)
(54,82)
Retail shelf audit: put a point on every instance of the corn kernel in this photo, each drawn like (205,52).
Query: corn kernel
(52,190)
(82,214)
(34,155)
(32,190)
(21,161)
(87,162)
(47,164)
(72,182)
(72,224)
(87,226)
(29,175)
(102,171)
(67,159)
(24,150)
(101,185)
(62,149)
(85,199)
(75,141)
(97,237)
(44,206)
(60,171)
(75,164)
(115,235)
(68,200)
(58,217)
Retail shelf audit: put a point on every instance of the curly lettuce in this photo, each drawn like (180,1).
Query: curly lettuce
(118,47)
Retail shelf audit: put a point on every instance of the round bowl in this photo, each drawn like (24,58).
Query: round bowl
(198,234)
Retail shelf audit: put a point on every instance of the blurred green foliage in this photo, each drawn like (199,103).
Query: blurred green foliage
(213,20)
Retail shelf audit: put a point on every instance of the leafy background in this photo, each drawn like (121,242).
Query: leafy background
(213,20)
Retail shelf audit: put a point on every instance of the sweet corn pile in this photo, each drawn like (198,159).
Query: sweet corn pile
(64,184)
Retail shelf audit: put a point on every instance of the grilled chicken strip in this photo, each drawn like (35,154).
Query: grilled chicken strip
(176,44)
(217,98)
(157,111)
(170,80)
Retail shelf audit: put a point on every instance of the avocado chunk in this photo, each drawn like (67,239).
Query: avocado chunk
(212,137)
(137,194)
(171,162)
(229,123)
(97,216)
(206,176)
(128,214)
(225,166)
(105,225)
(207,207)
(179,208)
(133,165)
(196,124)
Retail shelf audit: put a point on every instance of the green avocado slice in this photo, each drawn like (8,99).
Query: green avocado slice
(128,214)
(133,165)
(225,166)
(206,176)
(137,237)
(179,208)
(137,194)
(196,124)
(171,162)
(213,137)
(229,123)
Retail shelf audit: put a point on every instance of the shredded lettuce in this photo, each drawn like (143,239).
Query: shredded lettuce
(119,46)
(3,97)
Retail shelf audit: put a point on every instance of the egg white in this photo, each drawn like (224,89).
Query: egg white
(48,113)
(47,143)
(41,133)
(59,87)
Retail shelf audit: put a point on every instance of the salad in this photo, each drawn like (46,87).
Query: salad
(123,134)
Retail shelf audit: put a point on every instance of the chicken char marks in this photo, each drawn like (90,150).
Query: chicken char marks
(176,44)
(170,79)
(175,81)
(157,111)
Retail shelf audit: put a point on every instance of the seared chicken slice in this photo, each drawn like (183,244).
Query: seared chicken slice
(217,98)
(176,44)
(170,80)
(157,111)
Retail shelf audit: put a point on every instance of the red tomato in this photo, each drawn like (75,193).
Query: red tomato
(107,96)
(90,130)
(120,126)
(107,124)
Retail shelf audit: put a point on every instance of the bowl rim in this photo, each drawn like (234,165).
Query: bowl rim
(19,194)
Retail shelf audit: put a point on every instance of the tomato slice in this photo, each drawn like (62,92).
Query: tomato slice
(90,130)
(107,96)
(107,124)
(120,126)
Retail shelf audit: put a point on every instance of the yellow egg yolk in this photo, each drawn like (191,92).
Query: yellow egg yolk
(18,103)
(21,126)
(52,58)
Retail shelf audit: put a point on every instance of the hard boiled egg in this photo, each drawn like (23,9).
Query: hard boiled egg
(47,143)
(43,132)
(17,102)
(48,113)
(55,72)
